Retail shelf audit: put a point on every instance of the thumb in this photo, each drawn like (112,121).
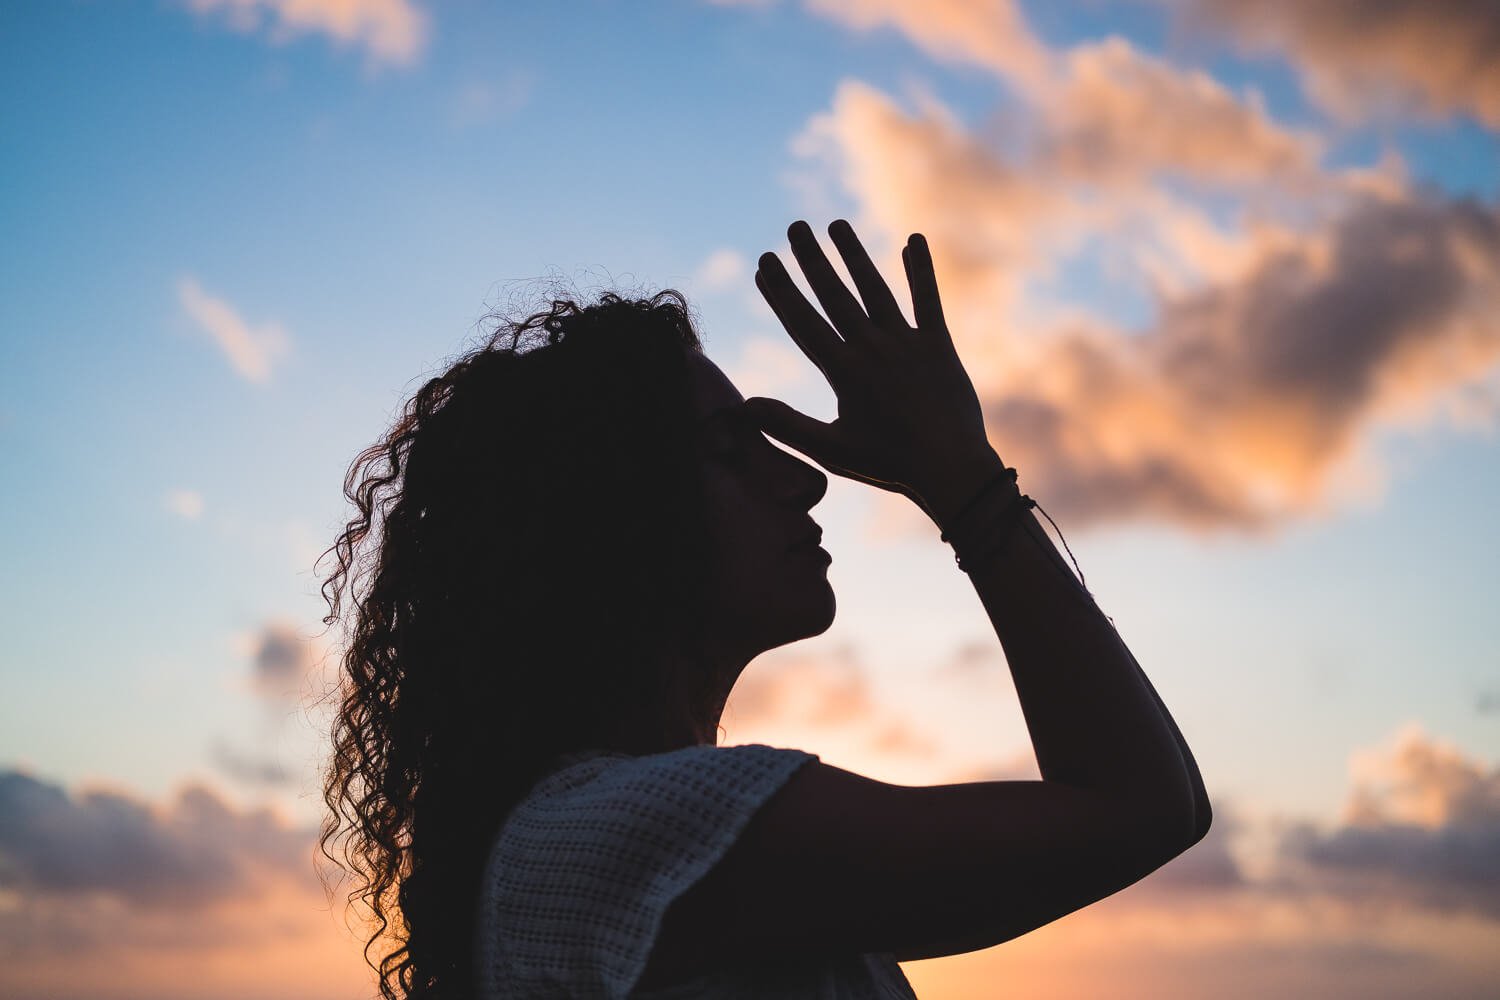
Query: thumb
(812,437)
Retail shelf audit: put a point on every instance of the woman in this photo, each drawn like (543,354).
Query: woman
(580,547)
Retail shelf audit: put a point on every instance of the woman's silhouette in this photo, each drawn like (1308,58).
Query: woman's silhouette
(562,558)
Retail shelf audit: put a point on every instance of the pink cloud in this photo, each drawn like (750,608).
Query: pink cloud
(390,31)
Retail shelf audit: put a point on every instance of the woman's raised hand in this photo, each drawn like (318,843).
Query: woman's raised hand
(909,419)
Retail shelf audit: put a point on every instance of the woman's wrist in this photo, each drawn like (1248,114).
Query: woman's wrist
(949,493)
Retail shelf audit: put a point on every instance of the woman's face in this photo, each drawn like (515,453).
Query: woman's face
(768,589)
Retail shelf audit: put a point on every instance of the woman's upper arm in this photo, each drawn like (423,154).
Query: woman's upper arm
(838,863)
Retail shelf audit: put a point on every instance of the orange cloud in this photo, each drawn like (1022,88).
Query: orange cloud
(816,701)
(391,31)
(251,350)
(106,895)
(1237,407)
(1384,913)
(1248,398)
(988,33)
(1116,113)
(1321,303)
(1428,57)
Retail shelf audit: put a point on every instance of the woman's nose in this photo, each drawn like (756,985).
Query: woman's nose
(806,483)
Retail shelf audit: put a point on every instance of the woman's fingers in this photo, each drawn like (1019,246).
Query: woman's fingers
(806,327)
(838,302)
(879,301)
(923,283)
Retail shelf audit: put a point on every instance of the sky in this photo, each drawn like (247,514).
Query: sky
(1226,276)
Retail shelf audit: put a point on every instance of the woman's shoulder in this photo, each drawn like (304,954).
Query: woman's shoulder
(699,776)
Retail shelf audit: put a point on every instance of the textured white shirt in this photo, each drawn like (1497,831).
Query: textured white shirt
(583,869)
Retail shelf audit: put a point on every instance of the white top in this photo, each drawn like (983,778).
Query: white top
(583,869)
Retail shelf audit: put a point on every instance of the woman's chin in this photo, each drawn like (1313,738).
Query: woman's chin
(822,611)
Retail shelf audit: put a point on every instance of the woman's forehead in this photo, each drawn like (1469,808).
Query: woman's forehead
(711,388)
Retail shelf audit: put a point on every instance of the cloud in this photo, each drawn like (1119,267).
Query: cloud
(1020,766)
(1115,113)
(816,694)
(1205,925)
(831,690)
(1427,57)
(108,896)
(989,33)
(1209,865)
(1421,826)
(194,852)
(723,269)
(185,503)
(282,660)
(481,102)
(1433,57)
(285,676)
(1088,163)
(249,769)
(251,350)
(390,31)
(1245,398)
(1274,345)
(766,367)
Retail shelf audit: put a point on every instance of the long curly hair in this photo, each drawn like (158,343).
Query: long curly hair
(528,545)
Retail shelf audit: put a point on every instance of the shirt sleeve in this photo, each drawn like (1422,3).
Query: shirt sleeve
(583,875)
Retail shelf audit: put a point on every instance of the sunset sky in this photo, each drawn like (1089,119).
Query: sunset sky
(1225,274)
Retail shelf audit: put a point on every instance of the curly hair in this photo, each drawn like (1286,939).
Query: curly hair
(528,541)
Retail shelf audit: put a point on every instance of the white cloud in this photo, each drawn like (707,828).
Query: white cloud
(391,31)
(766,367)
(252,350)
(481,102)
(185,503)
(722,270)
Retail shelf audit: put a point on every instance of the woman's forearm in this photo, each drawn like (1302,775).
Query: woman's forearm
(1202,811)
(1094,719)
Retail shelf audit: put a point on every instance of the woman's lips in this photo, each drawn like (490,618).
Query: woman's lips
(811,541)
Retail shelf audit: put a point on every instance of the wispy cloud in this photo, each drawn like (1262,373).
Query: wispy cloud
(284,664)
(285,676)
(808,695)
(185,503)
(723,269)
(767,366)
(390,31)
(988,33)
(481,102)
(251,350)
